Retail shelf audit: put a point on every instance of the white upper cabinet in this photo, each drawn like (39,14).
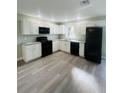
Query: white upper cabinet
(57,29)
(26,27)
(29,27)
(34,28)
(53,29)
(60,29)
(44,24)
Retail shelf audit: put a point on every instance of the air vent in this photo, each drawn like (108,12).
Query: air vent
(84,2)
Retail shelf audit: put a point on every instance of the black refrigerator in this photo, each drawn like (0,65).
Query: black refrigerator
(93,44)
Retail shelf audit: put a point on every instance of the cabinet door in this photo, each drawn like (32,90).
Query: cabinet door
(58,45)
(56,29)
(31,52)
(55,46)
(27,53)
(52,29)
(34,28)
(36,51)
(81,49)
(51,26)
(67,47)
(26,27)
(62,45)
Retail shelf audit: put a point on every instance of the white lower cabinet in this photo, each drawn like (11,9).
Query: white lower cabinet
(65,46)
(31,51)
(55,46)
(36,50)
(62,45)
(81,49)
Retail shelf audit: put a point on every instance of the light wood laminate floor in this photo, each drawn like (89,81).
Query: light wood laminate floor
(61,73)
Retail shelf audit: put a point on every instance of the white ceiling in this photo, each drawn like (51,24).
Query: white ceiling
(61,10)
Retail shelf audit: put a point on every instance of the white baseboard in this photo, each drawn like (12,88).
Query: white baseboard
(20,58)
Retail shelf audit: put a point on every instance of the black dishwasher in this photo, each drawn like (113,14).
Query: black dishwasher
(75,48)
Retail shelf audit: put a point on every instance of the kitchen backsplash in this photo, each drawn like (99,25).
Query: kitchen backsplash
(30,38)
(79,37)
